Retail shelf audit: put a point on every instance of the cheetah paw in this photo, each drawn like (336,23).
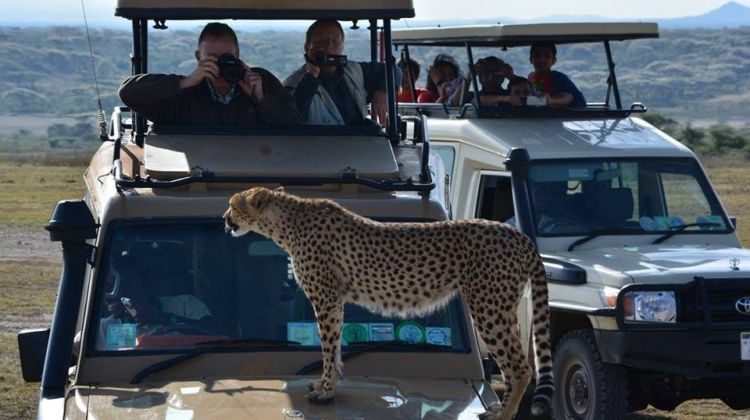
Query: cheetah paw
(320,393)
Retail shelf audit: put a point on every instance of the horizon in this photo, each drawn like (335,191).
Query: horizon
(100,14)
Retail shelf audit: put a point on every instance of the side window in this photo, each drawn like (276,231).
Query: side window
(495,198)
(447,155)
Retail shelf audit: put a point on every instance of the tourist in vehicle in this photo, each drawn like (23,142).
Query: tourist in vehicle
(444,82)
(556,87)
(520,89)
(221,90)
(331,90)
(492,73)
(137,301)
(404,92)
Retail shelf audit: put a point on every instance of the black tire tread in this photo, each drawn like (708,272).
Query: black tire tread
(613,378)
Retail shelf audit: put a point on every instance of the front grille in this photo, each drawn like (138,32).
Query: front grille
(713,301)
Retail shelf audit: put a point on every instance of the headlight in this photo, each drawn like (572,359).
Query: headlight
(650,306)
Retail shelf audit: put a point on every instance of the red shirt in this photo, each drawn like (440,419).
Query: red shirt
(404,95)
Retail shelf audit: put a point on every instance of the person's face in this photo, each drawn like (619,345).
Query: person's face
(327,39)
(491,81)
(543,58)
(215,47)
(520,89)
(445,73)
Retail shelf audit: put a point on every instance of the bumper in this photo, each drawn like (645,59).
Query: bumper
(694,354)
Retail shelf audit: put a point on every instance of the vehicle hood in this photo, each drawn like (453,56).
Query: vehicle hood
(284,398)
(618,267)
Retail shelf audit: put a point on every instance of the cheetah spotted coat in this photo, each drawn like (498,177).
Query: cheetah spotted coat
(407,269)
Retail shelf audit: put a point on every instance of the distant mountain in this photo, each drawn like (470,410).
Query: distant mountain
(729,15)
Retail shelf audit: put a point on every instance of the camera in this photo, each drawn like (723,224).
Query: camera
(231,68)
(321,59)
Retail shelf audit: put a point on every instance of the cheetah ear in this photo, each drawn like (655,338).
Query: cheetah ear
(279,189)
(258,198)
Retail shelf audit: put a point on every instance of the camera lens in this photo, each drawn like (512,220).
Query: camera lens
(231,68)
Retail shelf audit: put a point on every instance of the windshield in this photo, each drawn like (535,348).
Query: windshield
(643,196)
(181,285)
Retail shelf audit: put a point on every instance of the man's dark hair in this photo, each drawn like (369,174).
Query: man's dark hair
(322,22)
(544,44)
(414,67)
(217,30)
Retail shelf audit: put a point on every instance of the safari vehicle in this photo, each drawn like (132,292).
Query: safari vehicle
(161,313)
(648,282)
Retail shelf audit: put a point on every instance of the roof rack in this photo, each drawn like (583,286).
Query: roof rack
(386,181)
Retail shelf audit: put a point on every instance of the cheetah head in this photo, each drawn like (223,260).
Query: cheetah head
(246,208)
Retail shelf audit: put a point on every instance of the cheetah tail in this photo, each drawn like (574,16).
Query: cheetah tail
(542,401)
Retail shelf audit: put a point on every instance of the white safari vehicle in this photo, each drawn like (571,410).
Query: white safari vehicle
(649,285)
(229,334)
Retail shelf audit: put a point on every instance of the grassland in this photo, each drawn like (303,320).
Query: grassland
(29,267)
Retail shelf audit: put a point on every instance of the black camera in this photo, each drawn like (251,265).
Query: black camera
(321,59)
(231,68)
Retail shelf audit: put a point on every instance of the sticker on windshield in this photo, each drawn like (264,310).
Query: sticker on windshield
(121,336)
(410,331)
(354,333)
(439,335)
(305,333)
(381,331)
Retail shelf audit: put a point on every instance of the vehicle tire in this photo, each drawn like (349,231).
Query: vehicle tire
(585,387)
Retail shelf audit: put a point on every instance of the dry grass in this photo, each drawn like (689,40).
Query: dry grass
(28,192)
(731,178)
(17,399)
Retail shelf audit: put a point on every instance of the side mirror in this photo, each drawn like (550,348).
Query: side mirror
(733,221)
(32,347)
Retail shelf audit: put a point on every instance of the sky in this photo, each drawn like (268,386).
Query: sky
(101,12)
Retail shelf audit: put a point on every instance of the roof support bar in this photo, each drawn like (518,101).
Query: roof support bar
(407,73)
(390,80)
(139,65)
(612,79)
(373,39)
(473,72)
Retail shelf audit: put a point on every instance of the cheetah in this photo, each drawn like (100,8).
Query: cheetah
(488,262)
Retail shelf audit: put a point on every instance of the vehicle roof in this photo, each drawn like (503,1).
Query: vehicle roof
(560,138)
(525,34)
(264,9)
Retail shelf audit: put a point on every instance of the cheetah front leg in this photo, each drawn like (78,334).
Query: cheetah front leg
(329,313)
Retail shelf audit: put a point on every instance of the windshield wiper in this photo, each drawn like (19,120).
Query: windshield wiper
(680,228)
(370,346)
(209,347)
(604,231)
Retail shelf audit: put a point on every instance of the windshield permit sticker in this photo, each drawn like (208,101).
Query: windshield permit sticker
(411,332)
(439,335)
(121,336)
(381,331)
(305,333)
(354,333)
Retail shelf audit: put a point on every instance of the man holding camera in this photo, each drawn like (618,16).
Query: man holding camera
(331,90)
(221,90)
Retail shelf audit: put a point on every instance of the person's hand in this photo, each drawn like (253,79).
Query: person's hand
(434,75)
(115,307)
(252,84)
(443,91)
(312,70)
(507,71)
(206,69)
(516,100)
(380,106)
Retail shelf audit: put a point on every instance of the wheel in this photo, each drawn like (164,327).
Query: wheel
(585,387)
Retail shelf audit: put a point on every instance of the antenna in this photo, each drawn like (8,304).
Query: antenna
(100,113)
